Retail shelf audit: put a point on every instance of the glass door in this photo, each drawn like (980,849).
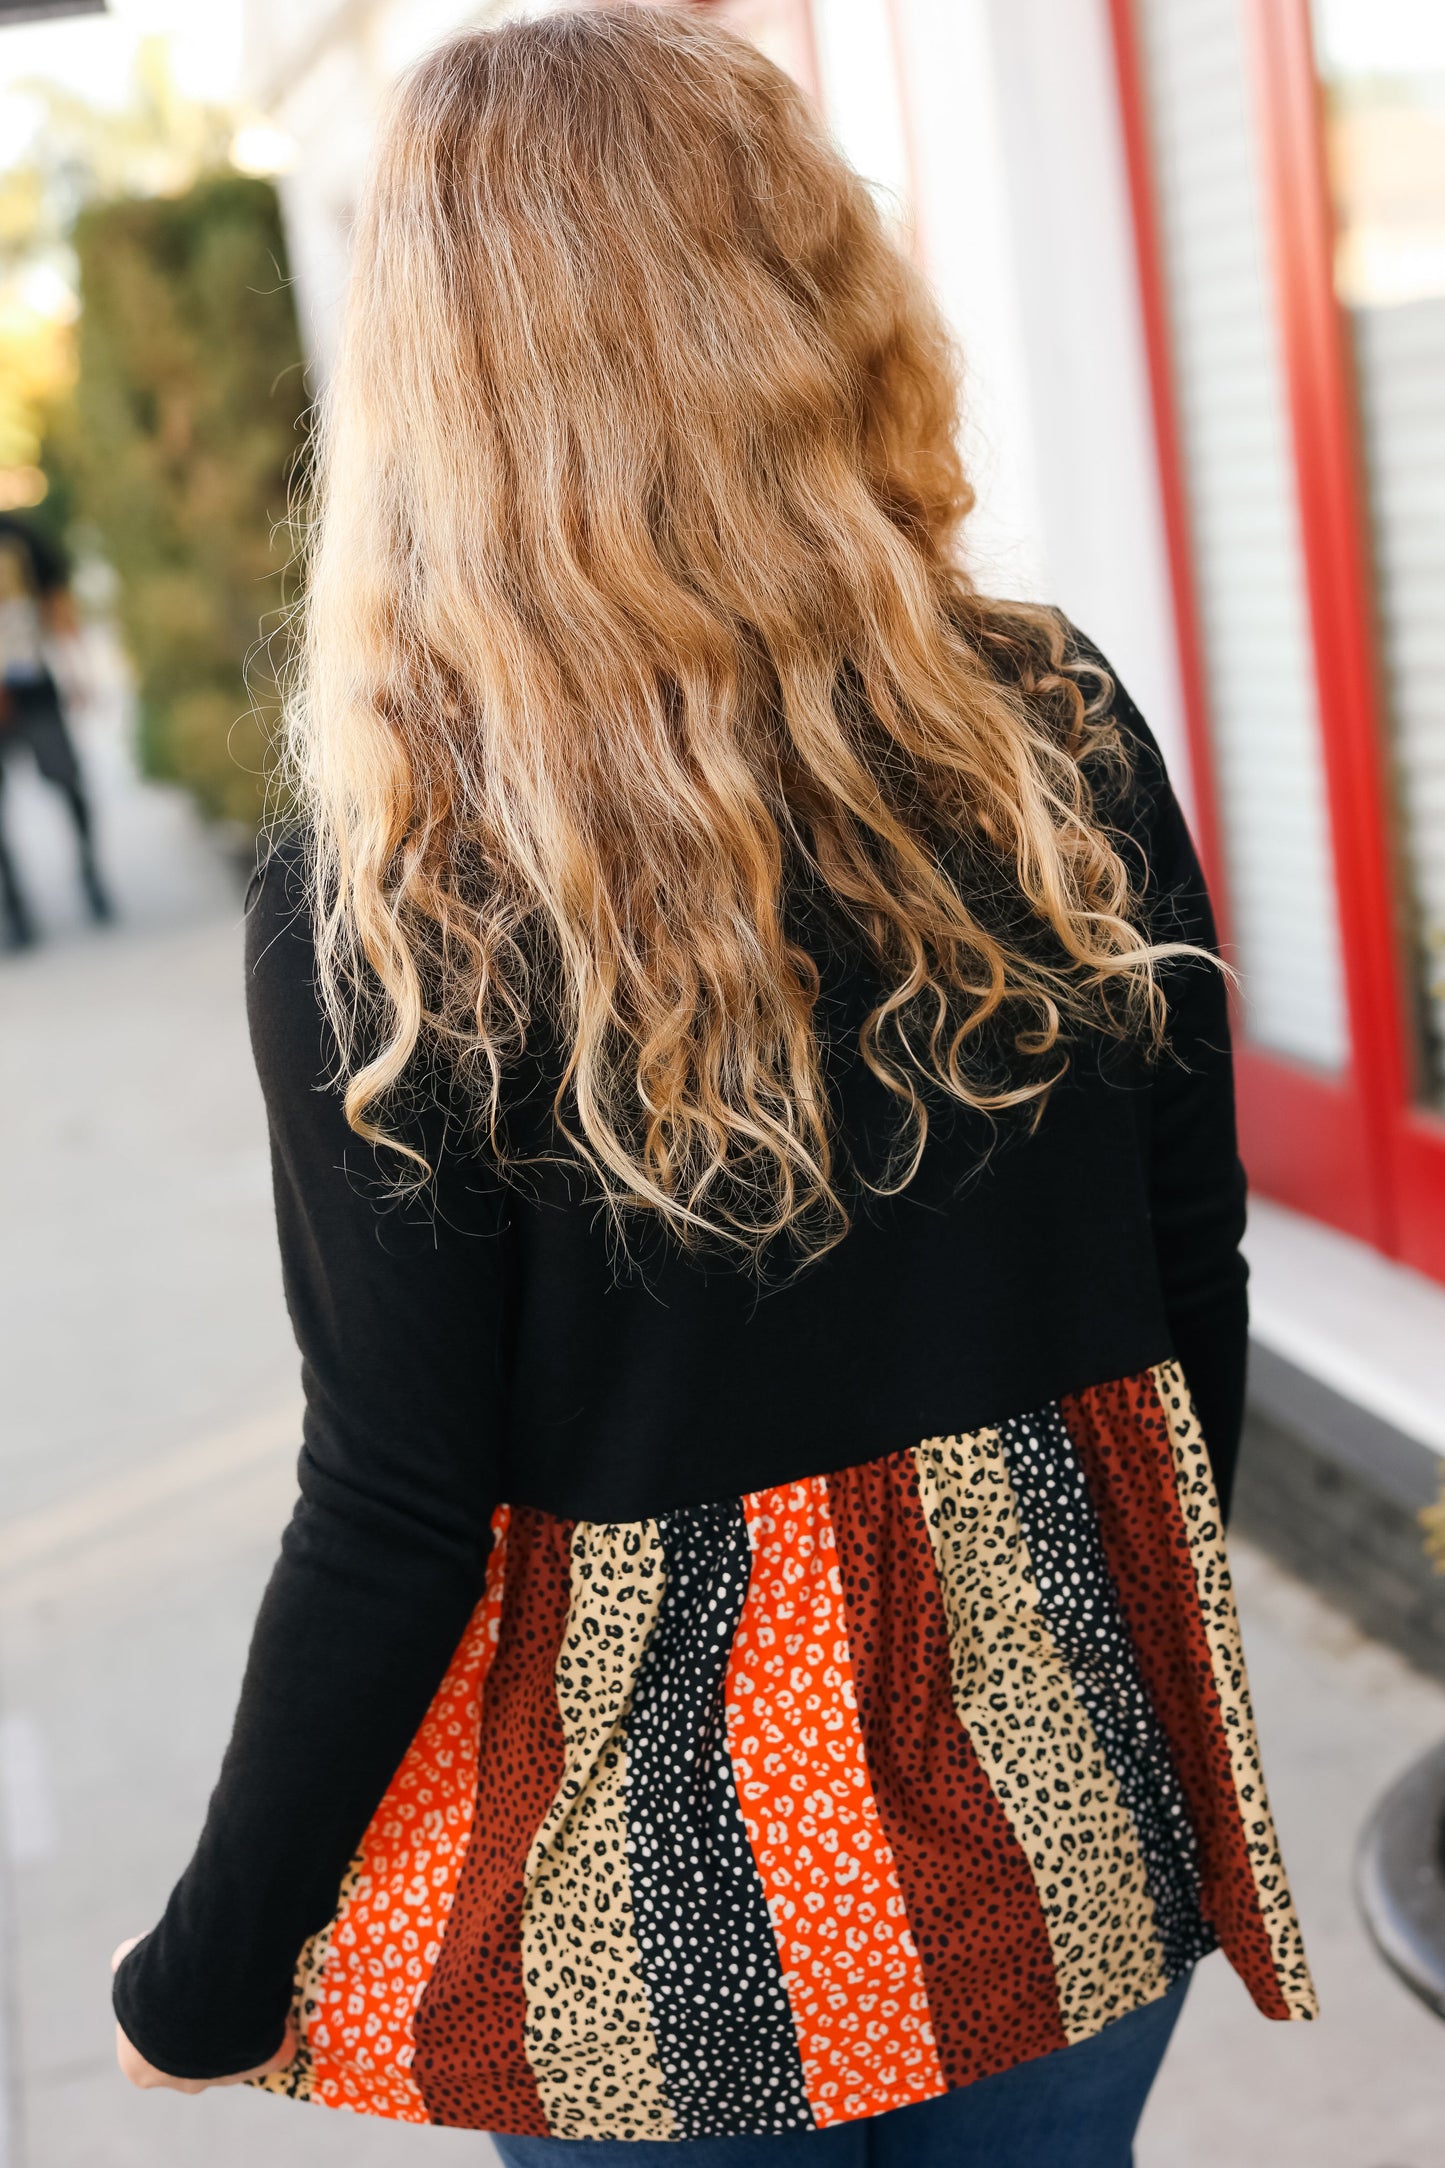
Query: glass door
(1287,160)
(1382,71)
(1247,606)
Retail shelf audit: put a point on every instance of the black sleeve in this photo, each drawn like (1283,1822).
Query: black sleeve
(399,1314)
(1196,1181)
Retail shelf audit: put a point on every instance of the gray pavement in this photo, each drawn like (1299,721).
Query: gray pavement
(148,1432)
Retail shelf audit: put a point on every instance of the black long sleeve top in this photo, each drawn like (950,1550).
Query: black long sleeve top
(484,1342)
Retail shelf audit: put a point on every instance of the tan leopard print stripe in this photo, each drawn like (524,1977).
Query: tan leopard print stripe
(1203,1522)
(589,2036)
(1016,1700)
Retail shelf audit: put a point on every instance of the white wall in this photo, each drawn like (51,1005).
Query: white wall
(322,68)
(328,111)
(1025,225)
(1009,149)
(1090,407)
(966,242)
(858,66)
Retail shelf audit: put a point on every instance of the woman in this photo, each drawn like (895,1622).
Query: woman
(752,1665)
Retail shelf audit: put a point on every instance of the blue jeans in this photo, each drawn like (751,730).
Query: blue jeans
(1080,2107)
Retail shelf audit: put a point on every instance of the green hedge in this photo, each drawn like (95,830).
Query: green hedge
(187,418)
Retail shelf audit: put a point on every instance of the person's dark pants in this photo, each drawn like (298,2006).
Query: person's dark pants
(32,717)
(1078,2108)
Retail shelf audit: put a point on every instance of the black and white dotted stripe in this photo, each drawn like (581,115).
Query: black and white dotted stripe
(720,2013)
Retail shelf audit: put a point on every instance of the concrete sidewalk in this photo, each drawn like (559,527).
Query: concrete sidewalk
(149,1437)
(150,1428)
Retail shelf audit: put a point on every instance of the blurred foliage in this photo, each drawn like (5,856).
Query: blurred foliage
(187,415)
(155,143)
(149,366)
(36,370)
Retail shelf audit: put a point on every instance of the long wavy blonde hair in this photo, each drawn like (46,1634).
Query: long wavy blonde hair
(634,609)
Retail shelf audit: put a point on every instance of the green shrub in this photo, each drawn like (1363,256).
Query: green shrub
(186,421)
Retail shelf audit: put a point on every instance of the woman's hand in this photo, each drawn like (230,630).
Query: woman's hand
(135,2067)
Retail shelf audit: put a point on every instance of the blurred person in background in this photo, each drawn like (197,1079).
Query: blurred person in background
(752,1667)
(36,611)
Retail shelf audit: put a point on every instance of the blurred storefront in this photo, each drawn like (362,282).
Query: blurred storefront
(1195,254)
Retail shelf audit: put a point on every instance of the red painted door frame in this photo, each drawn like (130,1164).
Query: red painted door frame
(1354,1151)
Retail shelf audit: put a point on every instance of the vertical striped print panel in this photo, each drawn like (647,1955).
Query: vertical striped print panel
(967,1884)
(850,1965)
(720,2012)
(589,2033)
(1081,1606)
(1194,1480)
(1019,1699)
(361,1978)
(794,1809)
(1123,1436)
(471,2060)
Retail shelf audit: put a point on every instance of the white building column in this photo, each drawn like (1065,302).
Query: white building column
(997,123)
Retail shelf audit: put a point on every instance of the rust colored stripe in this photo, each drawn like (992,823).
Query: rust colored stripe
(849,1963)
(972,1905)
(471,2058)
(1121,1434)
